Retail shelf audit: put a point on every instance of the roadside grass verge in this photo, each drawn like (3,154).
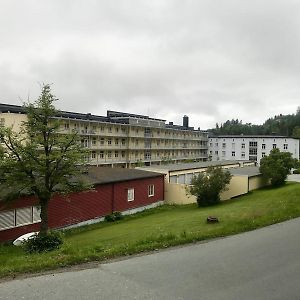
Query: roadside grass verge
(158,228)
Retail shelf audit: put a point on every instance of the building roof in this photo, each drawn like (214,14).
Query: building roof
(102,175)
(112,116)
(271,136)
(248,171)
(195,165)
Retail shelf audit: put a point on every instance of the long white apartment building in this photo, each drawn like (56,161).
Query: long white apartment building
(125,139)
(249,147)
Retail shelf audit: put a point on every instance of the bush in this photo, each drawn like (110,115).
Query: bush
(115,216)
(276,166)
(297,171)
(43,243)
(208,185)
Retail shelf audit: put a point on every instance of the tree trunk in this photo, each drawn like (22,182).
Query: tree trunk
(44,216)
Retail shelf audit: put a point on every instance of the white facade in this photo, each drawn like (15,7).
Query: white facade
(243,147)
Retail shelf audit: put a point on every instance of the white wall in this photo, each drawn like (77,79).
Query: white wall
(216,149)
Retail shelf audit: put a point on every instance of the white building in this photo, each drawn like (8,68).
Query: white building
(249,147)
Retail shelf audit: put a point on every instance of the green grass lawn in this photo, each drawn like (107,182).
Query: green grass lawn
(158,228)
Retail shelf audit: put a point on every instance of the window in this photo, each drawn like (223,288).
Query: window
(233,153)
(216,152)
(243,146)
(263,154)
(2,122)
(243,154)
(263,146)
(36,211)
(102,141)
(252,144)
(101,155)
(285,146)
(223,145)
(216,144)
(84,143)
(151,190)
(123,153)
(130,194)
(223,153)
(210,144)
(109,142)
(19,217)
(94,141)
(116,154)
(123,142)
(274,146)
(109,154)
(93,154)
(66,126)
(253,151)
(23,216)
(116,141)
(109,129)
(7,219)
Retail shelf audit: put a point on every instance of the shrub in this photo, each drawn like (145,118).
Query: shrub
(115,216)
(43,243)
(276,166)
(208,186)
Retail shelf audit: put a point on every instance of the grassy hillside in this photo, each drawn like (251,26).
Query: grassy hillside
(159,228)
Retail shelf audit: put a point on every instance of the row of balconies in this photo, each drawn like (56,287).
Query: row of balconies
(142,147)
(114,160)
(132,134)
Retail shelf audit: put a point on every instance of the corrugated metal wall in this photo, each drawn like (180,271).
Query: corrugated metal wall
(87,205)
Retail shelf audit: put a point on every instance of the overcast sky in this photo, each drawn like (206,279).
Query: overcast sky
(212,60)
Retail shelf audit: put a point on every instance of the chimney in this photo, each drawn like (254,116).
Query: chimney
(185,121)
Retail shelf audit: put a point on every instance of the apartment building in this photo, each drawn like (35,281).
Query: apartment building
(249,147)
(125,139)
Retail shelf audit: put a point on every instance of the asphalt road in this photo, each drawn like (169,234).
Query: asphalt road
(262,264)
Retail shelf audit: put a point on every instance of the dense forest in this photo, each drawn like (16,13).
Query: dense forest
(288,125)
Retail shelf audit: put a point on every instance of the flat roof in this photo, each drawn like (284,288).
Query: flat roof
(248,171)
(249,136)
(195,165)
(102,175)
(112,116)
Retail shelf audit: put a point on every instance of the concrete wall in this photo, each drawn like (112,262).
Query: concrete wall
(13,120)
(237,186)
(176,193)
(257,182)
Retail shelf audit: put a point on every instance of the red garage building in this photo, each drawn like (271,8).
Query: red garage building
(115,189)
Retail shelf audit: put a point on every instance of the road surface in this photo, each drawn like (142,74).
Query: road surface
(262,264)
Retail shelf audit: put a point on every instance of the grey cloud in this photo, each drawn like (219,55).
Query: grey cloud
(213,60)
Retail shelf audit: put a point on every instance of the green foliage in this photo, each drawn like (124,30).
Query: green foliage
(297,171)
(43,243)
(276,166)
(115,216)
(158,228)
(208,185)
(40,159)
(288,125)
